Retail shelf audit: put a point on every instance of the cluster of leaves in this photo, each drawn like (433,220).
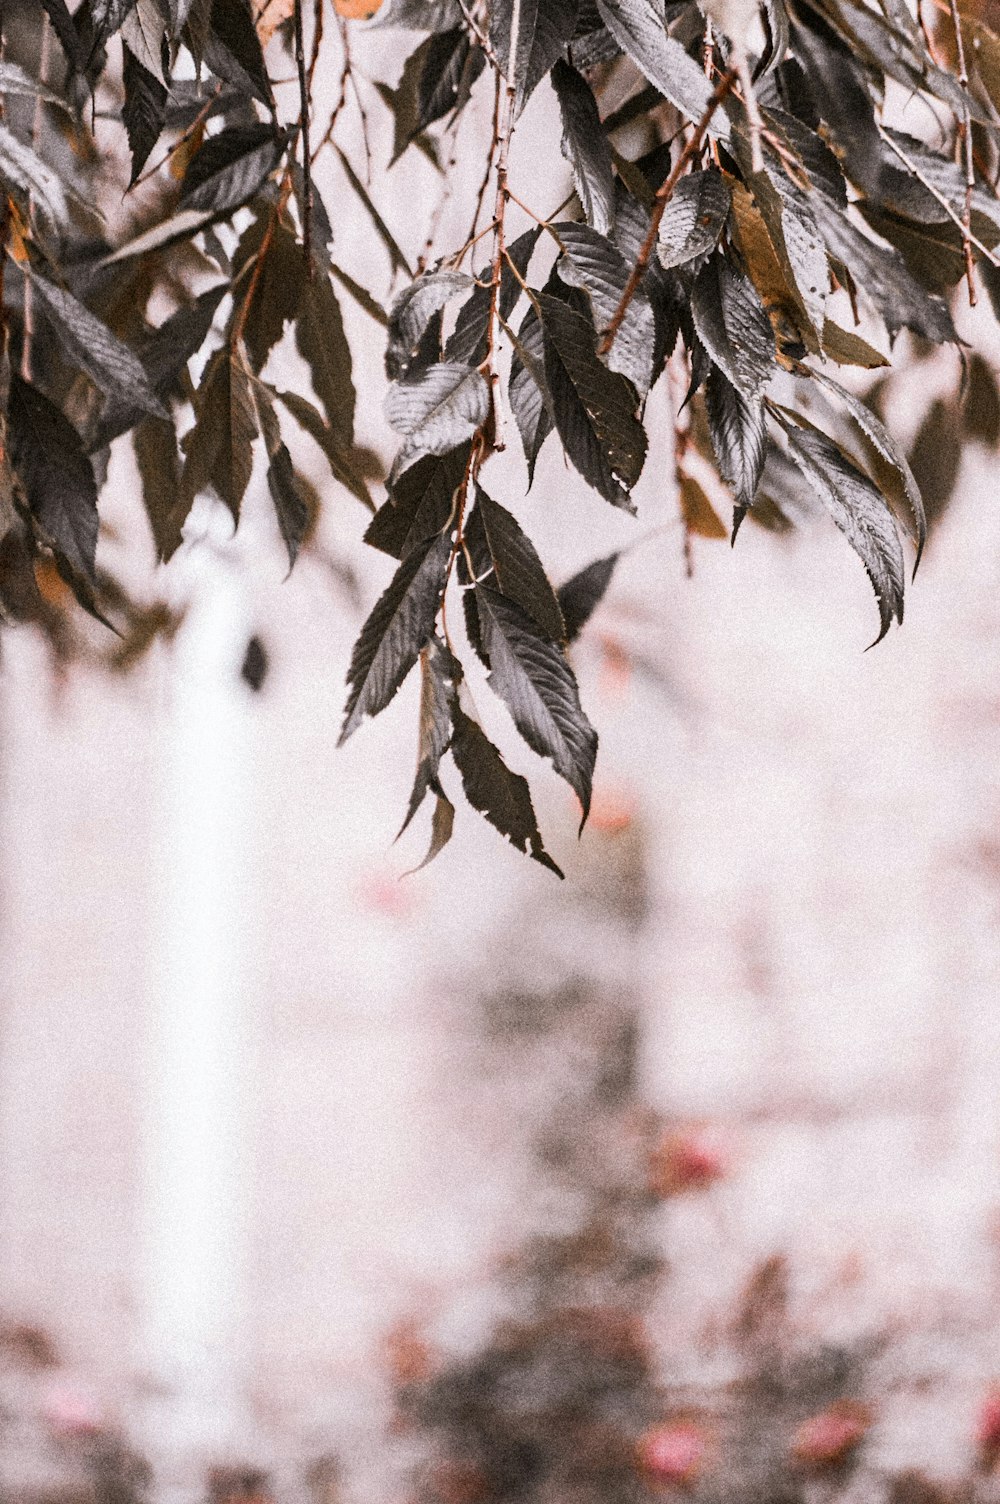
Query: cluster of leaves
(718,260)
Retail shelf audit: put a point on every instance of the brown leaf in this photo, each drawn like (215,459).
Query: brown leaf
(268,16)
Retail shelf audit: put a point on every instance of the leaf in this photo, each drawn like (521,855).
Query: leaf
(882,274)
(877,433)
(159,466)
(639,29)
(24,171)
(849,349)
(342,462)
(469,341)
(69,38)
(57,477)
(144,32)
(421,504)
(412,310)
(981,408)
(592,263)
(858,509)
(528,391)
(280,287)
(440,674)
(439,410)
(733,327)
(229,168)
(529,672)
(167,350)
(144,111)
(739,435)
(319,334)
(400,624)
(233,50)
(290,505)
(219,448)
(519,571)
(694,219)
(106,17)
(543,29)
(492,789)
(361,296)
(442,826)
(15,83)
(419,15)
(450,68)
(585,146)
(583,592)
(115,369)
(699,515)
(594,408)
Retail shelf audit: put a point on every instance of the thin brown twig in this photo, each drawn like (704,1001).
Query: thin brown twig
(663,196)
(307,189)
(965,146)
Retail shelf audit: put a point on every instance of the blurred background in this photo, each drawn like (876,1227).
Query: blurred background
(322,1183)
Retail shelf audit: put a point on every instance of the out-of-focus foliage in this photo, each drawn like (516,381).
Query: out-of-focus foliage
(745,202)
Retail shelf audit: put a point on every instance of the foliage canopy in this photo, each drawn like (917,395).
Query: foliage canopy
(742,195)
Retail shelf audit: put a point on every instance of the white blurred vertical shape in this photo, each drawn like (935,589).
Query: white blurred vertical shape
(199,1124)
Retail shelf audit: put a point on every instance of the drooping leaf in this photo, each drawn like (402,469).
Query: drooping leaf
(543,27)
(592,263)
(883,275)
(583,592)
(694,219)
(158,461)
(440,674)
(232,50)
(69,38)
(230,167)
(733,327)
(115,369)
(698,512)
(342,462)
(219,448)
(167,350)
(520,574)
(412,311)
(451,66)
(639,29)
(290,505)
(877,433)
(492,789)
(858,509)
(442,825)
(585,146)
(319,334)
(400,624)
(421,503)
(270,255)
(469,340)
(594,408)
(144,31)
(57,477)
(530,674)
(739,435)
(106,17)
(144,111)
(438,411)
(528,391)
(25,174)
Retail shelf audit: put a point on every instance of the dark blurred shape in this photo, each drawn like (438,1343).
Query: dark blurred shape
(26,1346)
(255,664)
(238,1485)
(981,409)
(936,456)
(830,1437)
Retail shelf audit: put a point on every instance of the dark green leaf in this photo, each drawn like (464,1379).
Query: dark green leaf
(531,675)
(592,263)
(638,27)
(289,504)
(438,410)
(144,110)
(401,623)
(229,168)
(319,334)
(166,352)
(585,146)
(280,286)
(159,467)
(421,504)
(440,674)
(882,273)
(528,391)
(232,50)
(451,66)
(219,448)
(693,219)
(342,462)
(492,789)
(69,38)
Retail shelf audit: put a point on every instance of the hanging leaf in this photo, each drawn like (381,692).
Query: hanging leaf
(25,174)
(733,326)
(858,509)
(592,263)
(270,254)
(438,411)
(594,408)
(412,311)
(543,29)
(421,503)
(69,38)
(401,623)
(739,435)
(519,571)
(115,369)
(442,826)
(57,477)
(144,111)
(230,167)
(581,595)
(343,462)
(450,68)
(492,789)
(585,147)
(290,505)
(699,515)
(528,390)
(233,52)
(219,448)
(158,461)
(882,273)
(638,28)
(530,674)
(319,334)
(440,674)
(693,220)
